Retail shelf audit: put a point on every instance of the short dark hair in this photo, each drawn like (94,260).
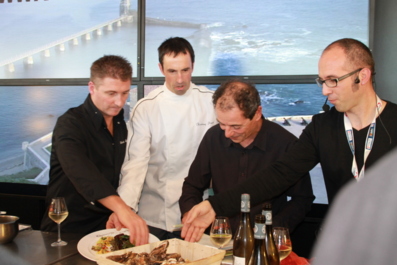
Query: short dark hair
(357,53)
(113,66)
(175,45)
(240,93)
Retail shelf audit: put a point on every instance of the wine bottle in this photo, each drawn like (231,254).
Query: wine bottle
(271,248)
(243,243)
(258,256)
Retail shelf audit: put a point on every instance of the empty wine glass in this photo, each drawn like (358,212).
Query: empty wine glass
(58,212)
(283,241)
(220,233)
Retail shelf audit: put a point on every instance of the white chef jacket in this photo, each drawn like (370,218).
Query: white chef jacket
(164,132)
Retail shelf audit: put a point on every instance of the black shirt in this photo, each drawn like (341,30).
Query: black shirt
(322,141)
(360,138)
(227,164)
(85,166)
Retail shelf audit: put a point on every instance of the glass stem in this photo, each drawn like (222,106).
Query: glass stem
(59,232)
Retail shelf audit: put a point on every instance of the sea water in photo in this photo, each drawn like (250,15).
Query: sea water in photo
(61,39)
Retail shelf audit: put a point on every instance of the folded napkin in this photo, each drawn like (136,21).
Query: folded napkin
(294,259)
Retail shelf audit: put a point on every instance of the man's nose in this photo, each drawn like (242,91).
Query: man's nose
(119,101)
(326,90)
(228,132)
(179,78)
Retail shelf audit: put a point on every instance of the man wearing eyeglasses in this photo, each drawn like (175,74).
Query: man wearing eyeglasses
(346,140)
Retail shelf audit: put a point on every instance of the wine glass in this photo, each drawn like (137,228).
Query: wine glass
(58,212)
(283,241)
(220,233)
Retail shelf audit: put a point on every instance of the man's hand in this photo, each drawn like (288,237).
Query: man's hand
(124,216)
(139,232)
(113,222)
(196,221)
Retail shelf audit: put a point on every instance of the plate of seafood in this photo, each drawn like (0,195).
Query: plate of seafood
(104,241)
(167,252)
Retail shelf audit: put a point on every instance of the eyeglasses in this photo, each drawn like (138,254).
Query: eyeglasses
(333,82)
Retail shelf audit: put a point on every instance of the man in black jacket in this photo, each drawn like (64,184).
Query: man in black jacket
(88,149)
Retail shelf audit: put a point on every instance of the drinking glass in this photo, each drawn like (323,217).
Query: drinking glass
(283,241)
(220,233)
(58,212)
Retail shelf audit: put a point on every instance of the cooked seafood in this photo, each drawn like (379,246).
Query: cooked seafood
(158,256)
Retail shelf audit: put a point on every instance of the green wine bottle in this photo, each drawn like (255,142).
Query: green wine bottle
(258,256)
(271,248)
(243,243)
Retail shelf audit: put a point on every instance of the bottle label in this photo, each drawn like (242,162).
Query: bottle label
(245,206)
(268,216)
(238,260)
(259,231)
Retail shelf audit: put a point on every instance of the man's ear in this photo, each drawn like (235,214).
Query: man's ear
(91,87)
(161,68)
(364,76)
(258,113)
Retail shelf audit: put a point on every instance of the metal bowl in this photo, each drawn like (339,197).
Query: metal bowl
(8,228)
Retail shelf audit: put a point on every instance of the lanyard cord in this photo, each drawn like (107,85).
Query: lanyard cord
(358,175)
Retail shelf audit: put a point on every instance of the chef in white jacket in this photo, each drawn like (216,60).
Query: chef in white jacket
(164,132)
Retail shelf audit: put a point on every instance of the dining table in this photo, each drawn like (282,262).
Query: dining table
(33,247)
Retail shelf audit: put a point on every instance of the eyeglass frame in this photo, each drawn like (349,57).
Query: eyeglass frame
(320,82)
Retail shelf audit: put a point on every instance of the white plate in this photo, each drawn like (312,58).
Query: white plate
(85,244)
